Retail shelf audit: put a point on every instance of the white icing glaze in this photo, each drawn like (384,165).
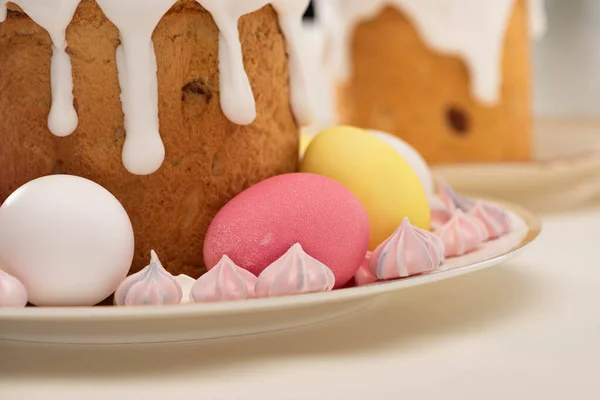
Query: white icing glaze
(290,22)
(144,152)
(537,19)
(54,17)
(237,99)
(471,29)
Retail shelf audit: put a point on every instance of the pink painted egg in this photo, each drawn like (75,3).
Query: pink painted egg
(261,224)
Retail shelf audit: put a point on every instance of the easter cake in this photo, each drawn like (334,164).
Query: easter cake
(171,105)
(452,78)
(156,160)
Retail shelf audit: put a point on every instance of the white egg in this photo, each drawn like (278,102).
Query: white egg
(67,239)
(411,156)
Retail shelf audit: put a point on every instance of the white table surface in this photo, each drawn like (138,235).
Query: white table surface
(529,329)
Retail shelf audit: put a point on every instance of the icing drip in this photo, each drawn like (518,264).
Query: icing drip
(237,99)
(471,29)
(143,152)
(55,17)
(290,22)
(538,19)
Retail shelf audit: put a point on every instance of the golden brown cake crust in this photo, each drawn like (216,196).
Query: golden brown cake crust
(401,86)
(208,158)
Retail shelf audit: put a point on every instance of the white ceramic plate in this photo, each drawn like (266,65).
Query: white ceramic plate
(111,325)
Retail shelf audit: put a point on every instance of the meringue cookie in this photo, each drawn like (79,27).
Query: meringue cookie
(409,251)
(451,199)
(445,203)
(152,285)
(12,291)
(493,217)
(186,282)
(462,234)
(225,281)
(294,273)
(364,276)
(434,243)
(440,212)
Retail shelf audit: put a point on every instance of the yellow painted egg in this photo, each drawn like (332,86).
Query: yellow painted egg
(385,183)
(304,142)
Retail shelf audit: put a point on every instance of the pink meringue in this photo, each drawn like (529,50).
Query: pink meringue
(462,234)
(12,291)
(445,203)
(364,276)
(152,285)
(294,273)
(449,196)
(224,282)
(493,217)
(440,212)
(409,251)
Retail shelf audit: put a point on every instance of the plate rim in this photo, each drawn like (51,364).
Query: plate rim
(175,311)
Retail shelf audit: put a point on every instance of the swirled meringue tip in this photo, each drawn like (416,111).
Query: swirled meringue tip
(153,285)
(224,282)
(363,275)
(440,214)
(12,291)
(409,251)
(462,234)
(493,217)
(295,272)
(451,199)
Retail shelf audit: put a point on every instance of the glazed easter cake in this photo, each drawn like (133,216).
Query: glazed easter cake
(174,106)
(146,140)
(451,77)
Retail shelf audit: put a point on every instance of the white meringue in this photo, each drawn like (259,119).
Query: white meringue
(12,291)
(409,251)
(294,273)
(493,217)
(186,282)
(152,285)
(224,282)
